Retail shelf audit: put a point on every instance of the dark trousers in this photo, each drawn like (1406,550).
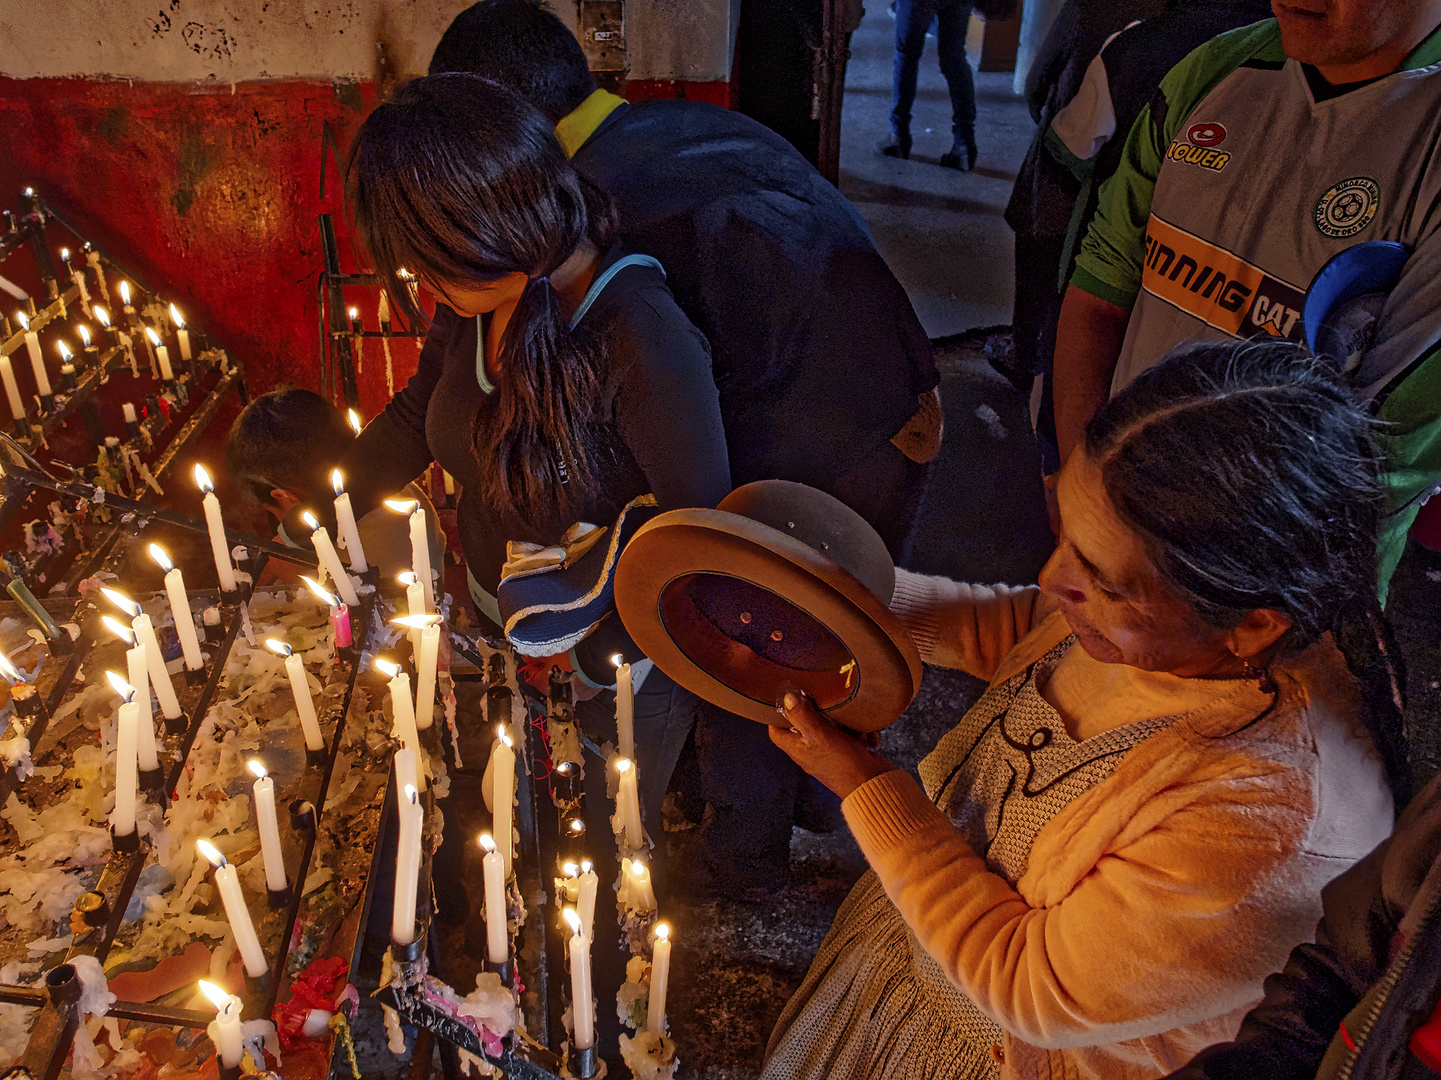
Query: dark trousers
(913,18)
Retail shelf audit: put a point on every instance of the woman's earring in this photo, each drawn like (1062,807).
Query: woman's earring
(1264,682)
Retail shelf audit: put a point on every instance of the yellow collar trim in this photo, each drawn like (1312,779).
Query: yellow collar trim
(580,123)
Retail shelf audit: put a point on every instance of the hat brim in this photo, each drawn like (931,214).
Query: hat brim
(655,601)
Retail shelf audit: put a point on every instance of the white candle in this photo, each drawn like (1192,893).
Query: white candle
(137,669)
(627,805)
(414,602)
(407,867)
(216,527)
(582,1000)
(12,390)
(236,911)
(402,711)
(269,825)
(624,709)
(419,546)
(179,609)
(345,524)
(427,653)
(502,777)
(659,977)
(497,937)
(642,896)
(585,903)
(155,659)
(127,780)
(37,360)
(330,560)
(407,768)
(125,298)
(225,1031)
(300,690)
(162,354)
(182,335)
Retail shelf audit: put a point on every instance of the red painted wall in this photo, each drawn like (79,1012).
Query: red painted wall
(210,196)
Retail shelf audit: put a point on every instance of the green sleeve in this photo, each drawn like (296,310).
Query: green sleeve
(1411,416)
(1109,263)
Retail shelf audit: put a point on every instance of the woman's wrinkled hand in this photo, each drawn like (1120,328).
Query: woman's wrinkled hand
(839,758)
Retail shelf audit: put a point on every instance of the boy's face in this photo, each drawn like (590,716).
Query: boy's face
(283,501)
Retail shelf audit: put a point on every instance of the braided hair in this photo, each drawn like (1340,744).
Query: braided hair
(1254,480)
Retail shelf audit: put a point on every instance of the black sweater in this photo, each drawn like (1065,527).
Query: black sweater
(662,433)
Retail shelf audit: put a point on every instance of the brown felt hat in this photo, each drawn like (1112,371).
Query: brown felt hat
(780,588)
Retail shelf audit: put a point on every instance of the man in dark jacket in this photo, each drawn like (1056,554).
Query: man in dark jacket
(824,373)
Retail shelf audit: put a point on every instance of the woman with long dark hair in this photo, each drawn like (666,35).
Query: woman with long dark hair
(1132,826)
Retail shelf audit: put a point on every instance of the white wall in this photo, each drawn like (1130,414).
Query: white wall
(240,40)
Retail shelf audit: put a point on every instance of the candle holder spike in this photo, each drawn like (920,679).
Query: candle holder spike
(279,898)
(152,781)
(260,987)
(228,1072)
(62,983)
(302,815)
(584,1063)
(316,759)
(125,843)
(195,676)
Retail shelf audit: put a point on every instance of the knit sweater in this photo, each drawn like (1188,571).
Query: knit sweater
(1155,903)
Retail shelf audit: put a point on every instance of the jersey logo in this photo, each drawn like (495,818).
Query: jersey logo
(1348,207)
(1206,134)
(1206,157)
(1219,288)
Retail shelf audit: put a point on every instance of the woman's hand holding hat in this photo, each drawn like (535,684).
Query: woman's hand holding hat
(839,759)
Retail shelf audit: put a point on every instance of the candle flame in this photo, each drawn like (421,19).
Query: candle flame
(387,668)
(22,320)
(408,578)
(662,931)
(158,554)
(278,647)
(218,997)
(486,842)
(617,660)
(418,622)
(354,313)
(176,318)
(84,332)
(125,293)
(309,519)
(572,920)
(100,316)
(152,335)
(411,795)
(500,734)
(121,687)
(120,600)
(638,868)
(571,870)
(586,866)
(403,506)
(257,768)
(337,482)
(120,630)
(9,670)
(64,351)
(577,826)
(211,852)
(624,765)
(564,768)
(202,480)
(320,591)
(64,254)
(354,418)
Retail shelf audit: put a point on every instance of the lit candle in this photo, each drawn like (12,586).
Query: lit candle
(497,936)
(345,524)
(300,689)
(402,710)
(659,977)
(407,867)
(414,602)
(216,526)
(339,613)
(125,298)
(269,826)
(585,902)
(162,354)
(137,670)
(37,361)
(427,654)
(145,631)
(407,768)
(582,1000)
(383,311)
(12,390)
(624,708)
(86,343)
(182,335)
(627,805)
(502,778)
(642,896)
(354,418)
(330,560)
(67,365)
(419,545)
(9,671)
(127,779)
(179,608)
(102,317)
(236,911)
(355,327)
(225,1031)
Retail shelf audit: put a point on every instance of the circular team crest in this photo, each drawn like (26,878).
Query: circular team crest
(1205,134)
(1348,207)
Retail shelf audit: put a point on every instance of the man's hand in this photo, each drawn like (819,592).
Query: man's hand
(838,758)
(1088,344)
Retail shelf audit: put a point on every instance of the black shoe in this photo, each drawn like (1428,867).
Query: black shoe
(962,154)
(896,146)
